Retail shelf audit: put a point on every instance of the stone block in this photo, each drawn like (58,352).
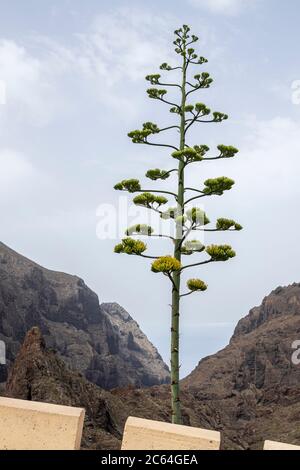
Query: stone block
(28,425)
(272,445)
(143,434)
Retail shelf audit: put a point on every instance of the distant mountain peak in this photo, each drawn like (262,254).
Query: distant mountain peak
(282,302)
(102,342)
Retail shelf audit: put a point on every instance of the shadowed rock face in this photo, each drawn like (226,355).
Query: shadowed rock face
(252,385)
(103,342)
(38,374)
(249,391)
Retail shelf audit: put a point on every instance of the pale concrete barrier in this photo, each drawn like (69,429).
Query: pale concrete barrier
(272,445)
(143,434)
(28,425)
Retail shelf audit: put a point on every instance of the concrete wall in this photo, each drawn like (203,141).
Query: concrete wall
(142,434)
(272,445)
(27,425)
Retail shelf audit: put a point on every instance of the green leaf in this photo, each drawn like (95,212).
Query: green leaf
(220,252)
(132,186)
(166,265)
(196,285)
(130,246)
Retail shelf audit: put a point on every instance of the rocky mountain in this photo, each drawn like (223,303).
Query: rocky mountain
(39,374)
(252,386)
(102,342)
(249,391)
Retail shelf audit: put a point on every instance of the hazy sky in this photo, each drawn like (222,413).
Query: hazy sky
(71,87)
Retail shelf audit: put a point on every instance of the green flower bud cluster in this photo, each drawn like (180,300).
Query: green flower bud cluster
(165,66)
(148,199)
(197,216)
(175,110)
(227,151)
(192,246)
(131,247)
(166,265)
(151,127)
(220,252)
(217,186)
(157,174)
(219,117)
(201,149)
(132,186)
(204,80)
(139,228)
(180,220)
(170,213)
(196,285)
(156,94)
(191,154)
(202,60)
(191,54)
(189,108)
(227,224)
(153,79)
(202,109)
(140,136)
(182,34)
(178,43)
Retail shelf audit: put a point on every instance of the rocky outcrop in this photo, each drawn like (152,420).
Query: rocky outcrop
(249,391)
(102,342)
(253,386)
(39,374)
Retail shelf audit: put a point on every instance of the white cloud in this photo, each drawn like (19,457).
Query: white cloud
(270,158)
(119,48)
(16,171)
(30,89)
(227,7)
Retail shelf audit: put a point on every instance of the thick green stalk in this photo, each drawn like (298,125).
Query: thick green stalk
(175,392)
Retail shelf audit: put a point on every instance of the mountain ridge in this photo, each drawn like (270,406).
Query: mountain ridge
(94,339)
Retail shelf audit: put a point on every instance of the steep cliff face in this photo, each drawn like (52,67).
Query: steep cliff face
(38,374)
(102,342)
(249,391)
(253,386)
